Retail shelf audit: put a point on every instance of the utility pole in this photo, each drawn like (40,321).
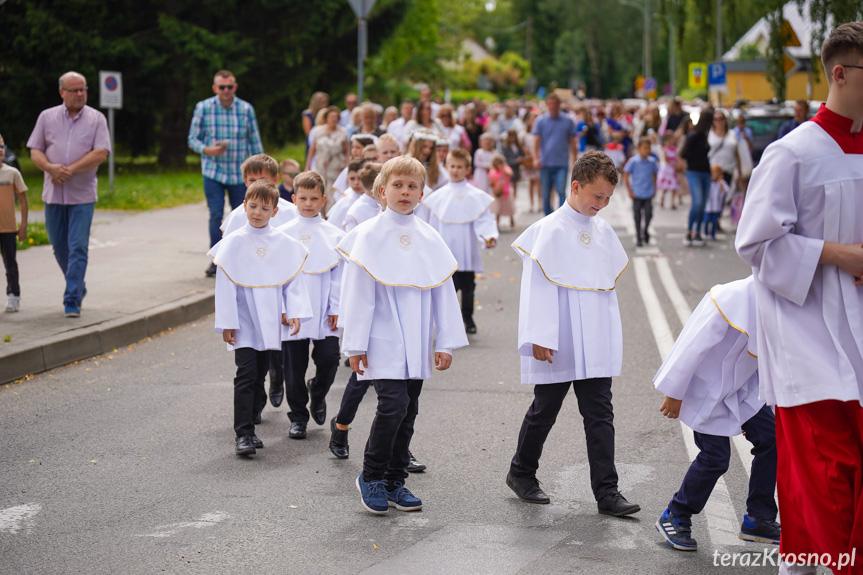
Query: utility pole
(648,64)
(719,49)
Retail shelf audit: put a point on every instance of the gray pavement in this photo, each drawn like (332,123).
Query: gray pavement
(145,275)
(124,464)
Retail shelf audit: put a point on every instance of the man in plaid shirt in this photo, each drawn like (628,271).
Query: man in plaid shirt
(225,132)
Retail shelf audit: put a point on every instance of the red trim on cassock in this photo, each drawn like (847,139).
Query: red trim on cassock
(839,128)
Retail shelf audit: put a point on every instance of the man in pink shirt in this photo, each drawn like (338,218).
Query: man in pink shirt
(68,144)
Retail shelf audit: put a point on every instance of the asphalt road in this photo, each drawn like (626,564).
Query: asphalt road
(125,464)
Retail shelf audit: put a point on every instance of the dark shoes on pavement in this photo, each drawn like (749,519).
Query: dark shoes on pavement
(414,466)
(616,505)
(759,530)
(257,442)
(677,531)
(527,489)
(245,445)
(317,408)
(277,393)
(469,325)
(338,441)
(298,430)
(211,271)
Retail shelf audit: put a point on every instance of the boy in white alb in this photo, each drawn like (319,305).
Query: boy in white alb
(569,330)
(336,214)
(323,275)
(258,287)
(366,207)
(399,310)
(257,167)
(710,380)
(801,232)
(460,214)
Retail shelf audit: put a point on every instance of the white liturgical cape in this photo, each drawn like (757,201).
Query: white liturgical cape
(365,208)
(398,301)
(459,212)
(237,218)
(322,273)
(257,280)
(336,214)
(805,191)
(571,263)
(713,366)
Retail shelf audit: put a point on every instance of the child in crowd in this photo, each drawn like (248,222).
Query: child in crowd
(422,147)
(258,282)
(640,177)
(442,149)
(710,380)
(388,148)
(460,213)
(370,153)
(366,206)
(514,154)
(569,330)
(715,201)
(359,143)
(667,181)
(289,169)
(616,151)
(259,167)
(500,180)
(11,186)
(399,313)
(482,162)
(355,191)
(322,273)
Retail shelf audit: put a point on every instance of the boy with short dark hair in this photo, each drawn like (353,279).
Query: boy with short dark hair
(259,167)
(11,187)
(640,177)
(258,283)
(289,169)
(399,313)
(569,330)
(323,273)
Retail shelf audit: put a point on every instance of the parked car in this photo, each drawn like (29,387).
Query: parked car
(765,122)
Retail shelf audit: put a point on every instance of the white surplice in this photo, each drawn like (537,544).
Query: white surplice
(322,273)
(337,213)
(568,303)
(364,208)
(257,280)
(805,191)
(237,218)
(398,301)
(460,214)
(713,366)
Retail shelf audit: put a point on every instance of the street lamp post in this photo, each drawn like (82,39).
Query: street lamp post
(645,49)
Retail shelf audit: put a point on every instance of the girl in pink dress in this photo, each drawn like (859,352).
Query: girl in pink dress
(667,181)
(500,181)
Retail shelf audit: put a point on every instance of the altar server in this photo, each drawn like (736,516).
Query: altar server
(259,167)
(366,206)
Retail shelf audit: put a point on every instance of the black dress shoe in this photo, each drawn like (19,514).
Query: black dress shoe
(257,419)
(211,271)
(469,326)
(338,441)
(257,442)
(298,430)
(318,408)
(277,394)
(414,466)
(616,505)
(527,489)
(245,446)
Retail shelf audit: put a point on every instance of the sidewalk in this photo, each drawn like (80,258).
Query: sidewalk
(145,274)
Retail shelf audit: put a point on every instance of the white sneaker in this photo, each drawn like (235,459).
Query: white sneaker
(13,303)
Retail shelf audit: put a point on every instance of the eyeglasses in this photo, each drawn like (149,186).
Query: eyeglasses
(291,174)
(76,91)
(850,66)
(227,86)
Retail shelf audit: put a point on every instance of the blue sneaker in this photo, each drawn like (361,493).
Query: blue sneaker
(72,311)
(677,532)
(373,495)
(759,530)
(402,499)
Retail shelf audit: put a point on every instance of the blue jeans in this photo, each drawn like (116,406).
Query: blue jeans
(699,187)
(557,176)
(712,462)
(68,229)
(215,193)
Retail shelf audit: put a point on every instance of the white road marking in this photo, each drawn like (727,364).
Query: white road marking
(206,520)
(673,290)
(20,517)
(719,510)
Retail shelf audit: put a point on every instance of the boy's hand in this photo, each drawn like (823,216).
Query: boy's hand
(442,360)
(355,363)
(284,319)
(228,336)
(333,322)
(670,407)
(631,195)
(490,243)
(294,324)
(22,233)
(542,353)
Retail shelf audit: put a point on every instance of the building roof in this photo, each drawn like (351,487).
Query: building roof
(802,28)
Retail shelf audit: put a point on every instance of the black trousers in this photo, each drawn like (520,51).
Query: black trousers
(249,387)
(465,282)
(594,404)
(8,248)
(353,395)
(392,429)
(325,355)
(642,208)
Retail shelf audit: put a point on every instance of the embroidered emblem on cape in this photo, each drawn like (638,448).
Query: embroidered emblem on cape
(261,251)
(460,197)
(305,239)
(405,240)
(584,238)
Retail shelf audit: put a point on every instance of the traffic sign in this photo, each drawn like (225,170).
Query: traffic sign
(362,7)
(698,75)
(716,80)
(111,90)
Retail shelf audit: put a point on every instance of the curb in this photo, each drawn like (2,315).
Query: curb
(64,349)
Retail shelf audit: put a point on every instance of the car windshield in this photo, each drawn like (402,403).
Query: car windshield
(765,126)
